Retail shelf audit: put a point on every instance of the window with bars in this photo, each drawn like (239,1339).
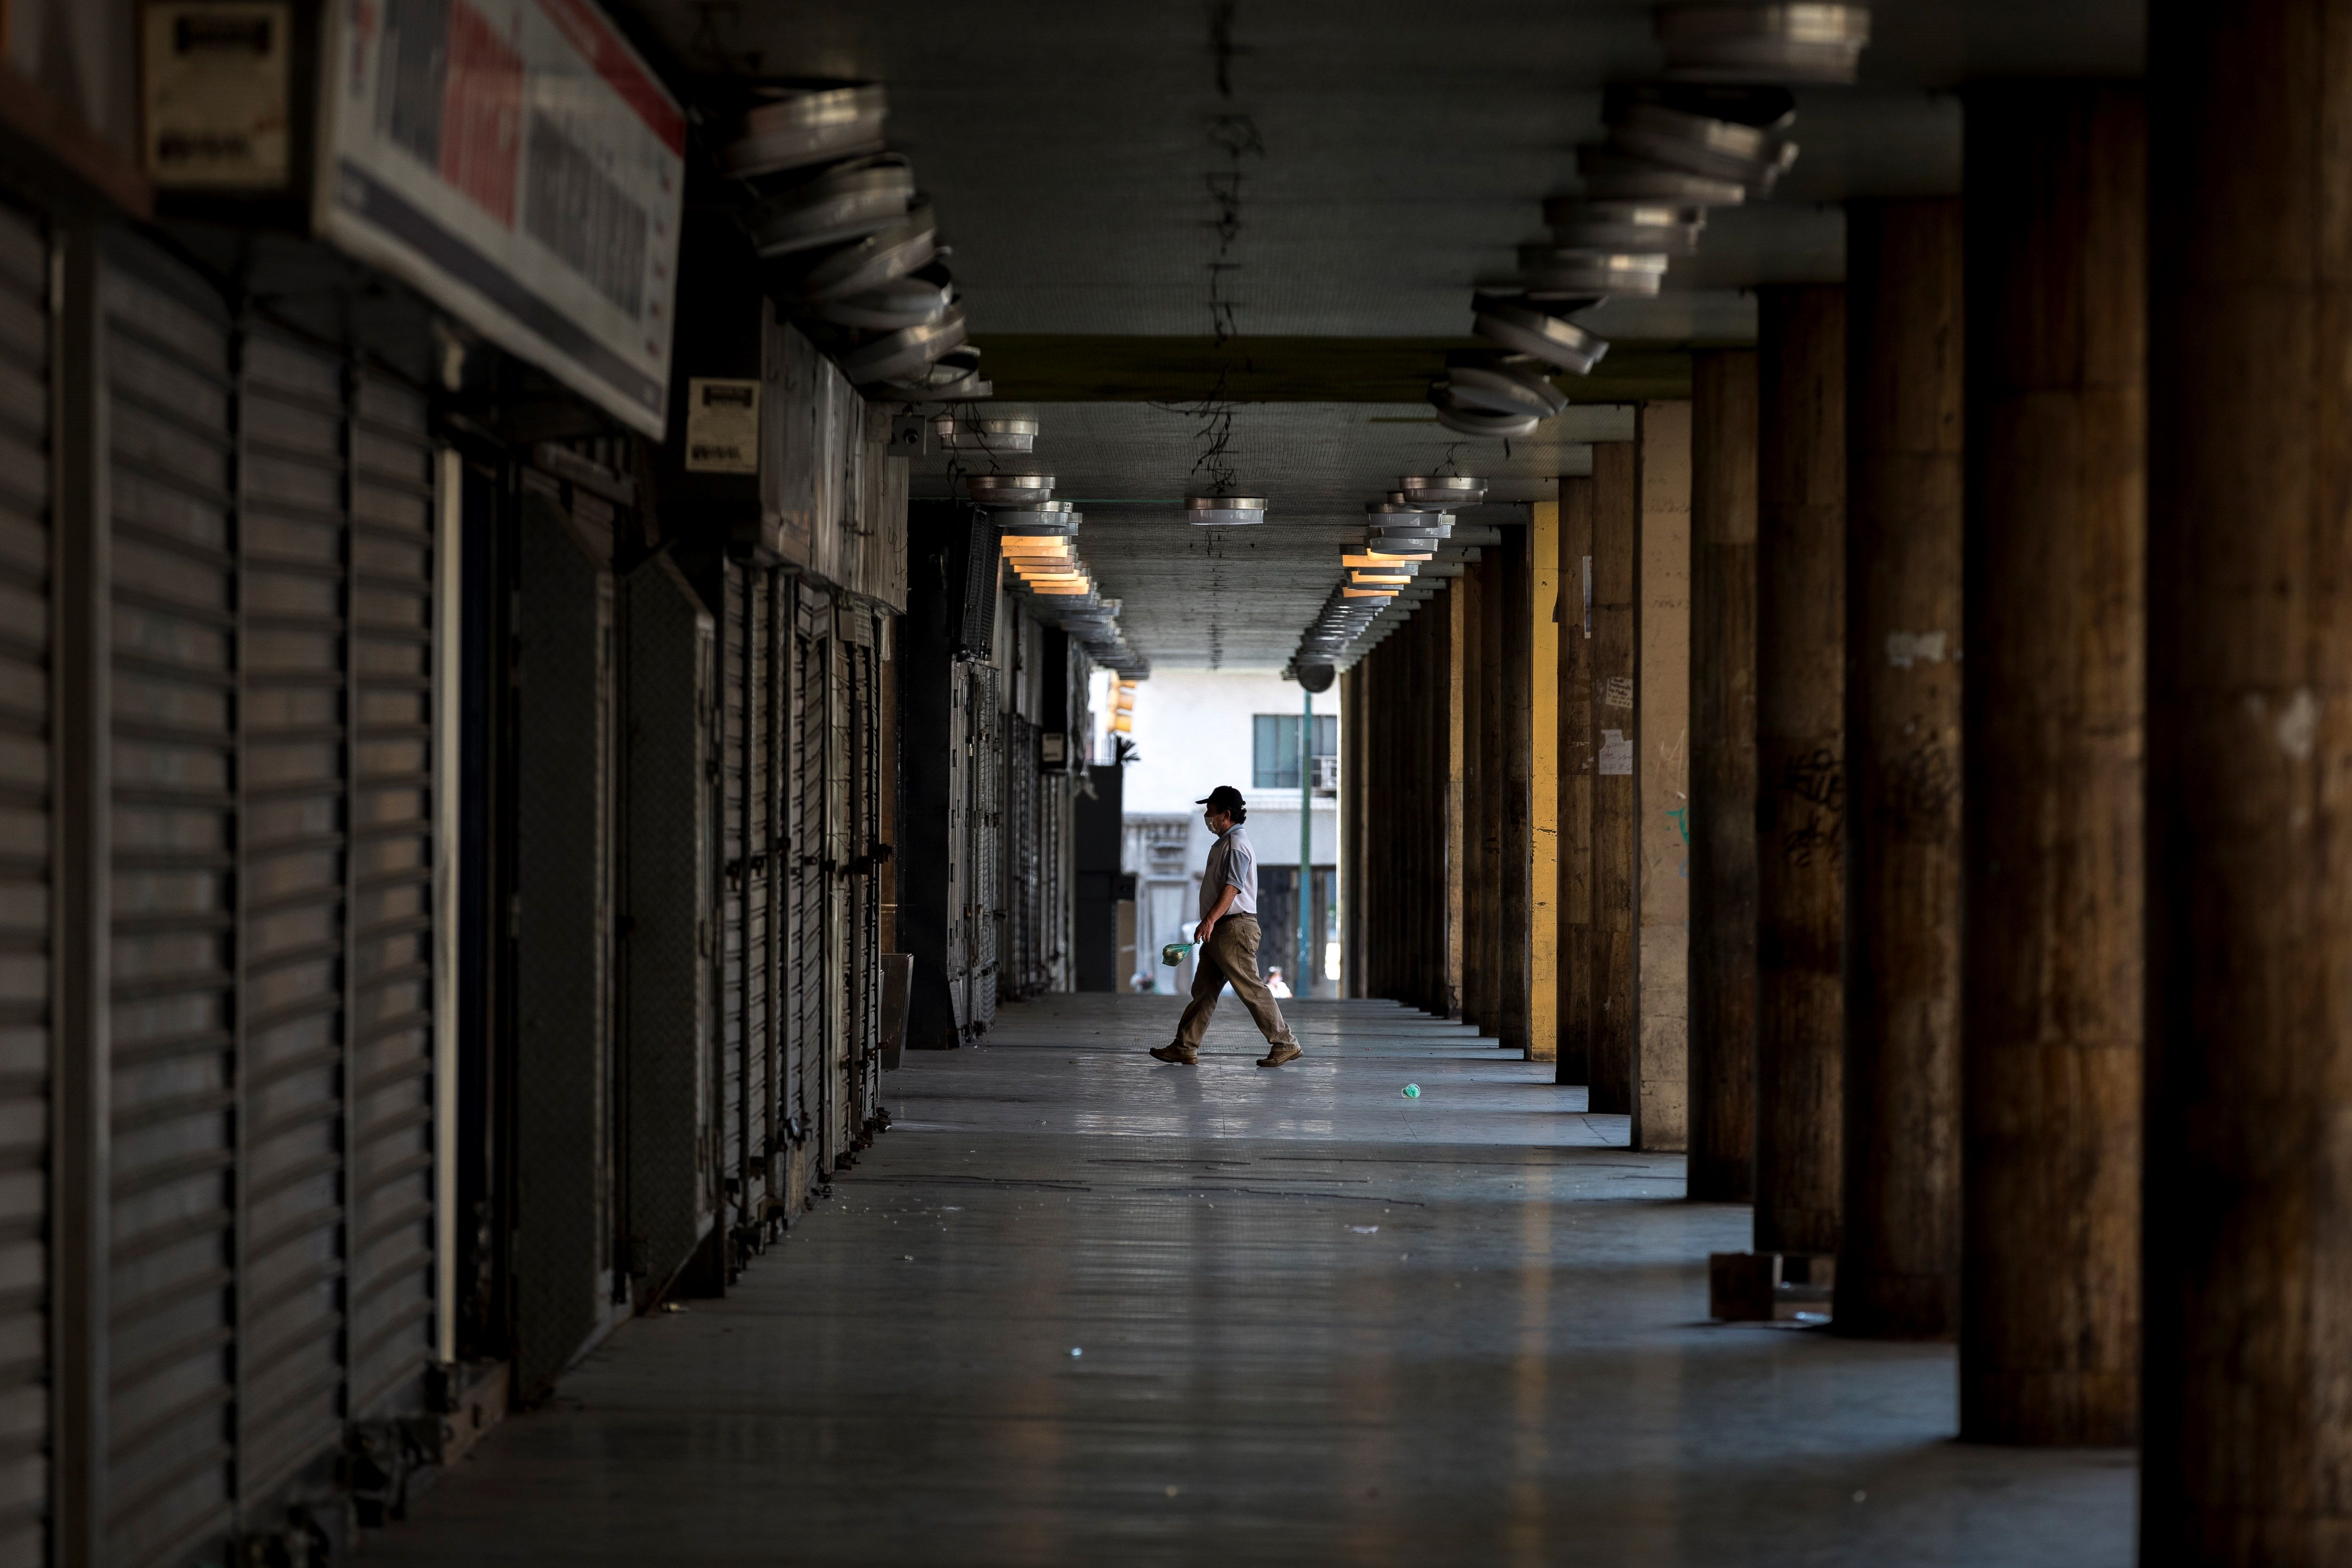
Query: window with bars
(1273,760)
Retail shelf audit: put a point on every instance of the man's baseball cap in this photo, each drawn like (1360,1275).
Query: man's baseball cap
(1224,798)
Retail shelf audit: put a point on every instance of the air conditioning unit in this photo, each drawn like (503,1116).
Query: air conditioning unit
(1327,775)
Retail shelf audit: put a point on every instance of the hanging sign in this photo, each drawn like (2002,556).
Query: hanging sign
(214,86)
(517,163)
(722,425)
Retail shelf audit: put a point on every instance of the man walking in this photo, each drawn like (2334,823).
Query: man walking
(1226,939)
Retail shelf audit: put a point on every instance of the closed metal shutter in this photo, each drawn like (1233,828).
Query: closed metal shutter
(174,1139)
(26,832)
(961,875)
(781,1090)
(816,993)
(759,962)
(562,873)
(269,1273)
(840,1014)
(291,872)
(389,1062)
(754,1008)
(734,769)
(986,915)
(866,878)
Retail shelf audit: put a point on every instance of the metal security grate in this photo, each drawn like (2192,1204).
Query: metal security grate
(807,807)
(985,917)
(390,1060)
(292,837)
(26,868)
(841,1019)
(171,1279)
(733,770)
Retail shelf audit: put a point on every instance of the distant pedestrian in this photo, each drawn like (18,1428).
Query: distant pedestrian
(1226,936)
(1274,986)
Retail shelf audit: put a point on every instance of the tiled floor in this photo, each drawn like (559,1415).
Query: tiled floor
(1321,1321)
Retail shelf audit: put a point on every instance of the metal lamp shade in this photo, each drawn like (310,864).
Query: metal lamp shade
(797,126)
(1225,512)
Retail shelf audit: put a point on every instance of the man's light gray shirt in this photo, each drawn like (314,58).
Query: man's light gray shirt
(1232,862)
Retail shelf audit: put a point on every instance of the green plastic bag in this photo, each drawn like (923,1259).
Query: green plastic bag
(1173,953)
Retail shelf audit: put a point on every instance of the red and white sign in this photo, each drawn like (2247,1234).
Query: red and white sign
(516,161)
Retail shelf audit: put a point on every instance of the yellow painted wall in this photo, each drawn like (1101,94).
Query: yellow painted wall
(1543,801)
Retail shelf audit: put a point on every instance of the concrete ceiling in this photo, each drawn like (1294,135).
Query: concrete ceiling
(1392,154)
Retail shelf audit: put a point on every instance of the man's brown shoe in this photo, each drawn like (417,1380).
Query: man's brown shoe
(1177,1054)
(1275,1056)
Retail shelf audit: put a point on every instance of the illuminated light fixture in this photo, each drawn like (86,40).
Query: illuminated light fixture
(1369,593)
(1377,560)
(1550,272)
(1800,43)
(1740,135)
(791,126)
(1364,579)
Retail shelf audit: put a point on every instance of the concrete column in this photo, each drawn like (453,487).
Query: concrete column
(1662,782)
(1801,767)
(2050,938)
(1616,529)
(1576,763)
(1514,697)
(1898,1274)
(1722,1165)
(1543,638)
(2249,1173)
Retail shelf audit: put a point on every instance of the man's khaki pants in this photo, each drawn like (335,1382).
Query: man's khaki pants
(1231,954)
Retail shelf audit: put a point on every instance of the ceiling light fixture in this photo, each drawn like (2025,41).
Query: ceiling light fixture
(1219,511)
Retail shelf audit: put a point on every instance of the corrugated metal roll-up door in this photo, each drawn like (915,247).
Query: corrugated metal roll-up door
(294,839)
(959,872)
(390,1058)
(26,860)
(782,1088)
(840,950)
(1053,859)
(1018,955)
(173,1300)
(268,1270)
(987,914)
(812,892)
(865,882)
(735,676)
(758,962)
